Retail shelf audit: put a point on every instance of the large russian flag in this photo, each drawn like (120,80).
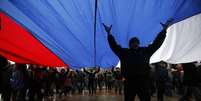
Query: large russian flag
(60,32)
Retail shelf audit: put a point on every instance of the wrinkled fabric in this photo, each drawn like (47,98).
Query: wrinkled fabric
(182,44)
(65,27)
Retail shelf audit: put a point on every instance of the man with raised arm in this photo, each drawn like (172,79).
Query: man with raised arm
(135,63)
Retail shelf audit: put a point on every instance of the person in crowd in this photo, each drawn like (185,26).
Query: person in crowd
(135,63)
(109,80)
(118,84)
(152,80)
(52,79)
(191,82)
(31,87)
(5,74)
(61,80)
(161,79)
(80,81)
(91,79)
(69,84)
(73,77)
(100,81)
(19,82)
(35,93)
(177,78)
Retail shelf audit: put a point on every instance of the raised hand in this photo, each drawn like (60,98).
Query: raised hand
(167,24)
(107,28)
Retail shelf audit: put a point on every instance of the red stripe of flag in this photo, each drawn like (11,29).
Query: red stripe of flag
(18,45)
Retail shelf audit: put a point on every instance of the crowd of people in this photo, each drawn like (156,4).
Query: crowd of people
(21,82)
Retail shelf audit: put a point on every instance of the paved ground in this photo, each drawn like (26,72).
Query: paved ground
(99,96)
(102,96)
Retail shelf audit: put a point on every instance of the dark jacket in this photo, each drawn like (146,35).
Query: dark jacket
(161,74)
(190,77)
(135,62)
(5,74)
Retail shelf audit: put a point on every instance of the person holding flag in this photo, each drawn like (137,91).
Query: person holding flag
(135,63)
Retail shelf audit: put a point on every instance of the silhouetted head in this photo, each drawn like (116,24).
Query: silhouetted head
(3,61)
(163,64)
(134,43)
(62,70)
(91,70)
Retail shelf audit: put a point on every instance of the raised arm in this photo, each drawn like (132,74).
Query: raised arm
(117,49)
(86,71)
(112,69)
(97,70)
(160,38)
